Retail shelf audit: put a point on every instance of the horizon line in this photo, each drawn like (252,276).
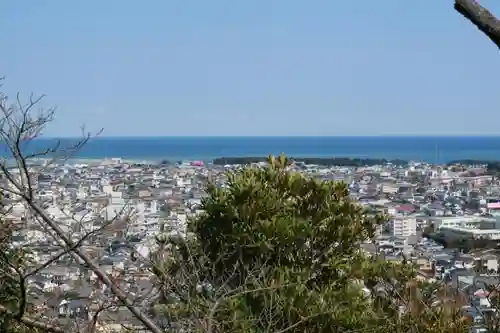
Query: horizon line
(274,136)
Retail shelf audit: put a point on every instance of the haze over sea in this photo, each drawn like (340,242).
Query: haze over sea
(430,149)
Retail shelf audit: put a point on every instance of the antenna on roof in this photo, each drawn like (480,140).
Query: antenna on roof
(435,152)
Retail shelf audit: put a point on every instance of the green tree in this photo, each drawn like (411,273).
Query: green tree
(13,293)
(276,251)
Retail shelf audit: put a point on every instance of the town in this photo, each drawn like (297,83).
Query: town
(439,215)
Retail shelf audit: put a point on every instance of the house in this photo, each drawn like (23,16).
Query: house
(73,308)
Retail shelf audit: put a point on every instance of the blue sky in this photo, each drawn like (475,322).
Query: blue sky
(260,67)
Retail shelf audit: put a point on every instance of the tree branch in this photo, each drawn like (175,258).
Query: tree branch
(33,322)
(122,296)
(18,127)
(482,18)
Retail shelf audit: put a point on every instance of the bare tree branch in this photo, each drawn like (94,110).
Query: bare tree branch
(19,127)
(33,322)
(481,17)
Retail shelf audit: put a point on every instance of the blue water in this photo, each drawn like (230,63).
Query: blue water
(430,149)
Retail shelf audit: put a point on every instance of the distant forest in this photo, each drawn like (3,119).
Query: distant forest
(324,161)
(492,166)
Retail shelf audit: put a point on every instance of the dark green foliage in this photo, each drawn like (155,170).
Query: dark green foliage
(332,161)
(13,293)
(275,251)
(270,215)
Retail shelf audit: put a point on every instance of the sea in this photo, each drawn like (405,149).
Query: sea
(436,149)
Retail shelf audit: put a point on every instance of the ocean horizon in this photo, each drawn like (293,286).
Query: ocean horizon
(433,149)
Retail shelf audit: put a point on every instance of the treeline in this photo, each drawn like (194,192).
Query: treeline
(326,161)
(465,245)
(471,162)
(492,166)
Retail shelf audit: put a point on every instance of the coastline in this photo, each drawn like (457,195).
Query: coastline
(434,150)
(346,161)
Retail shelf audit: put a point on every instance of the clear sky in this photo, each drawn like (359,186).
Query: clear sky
(259,67)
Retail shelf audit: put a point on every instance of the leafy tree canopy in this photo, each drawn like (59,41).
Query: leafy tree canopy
(276,251)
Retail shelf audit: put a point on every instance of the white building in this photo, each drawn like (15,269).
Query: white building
(468,227)
(404,226)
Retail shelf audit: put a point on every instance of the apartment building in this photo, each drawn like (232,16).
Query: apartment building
(404,226)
